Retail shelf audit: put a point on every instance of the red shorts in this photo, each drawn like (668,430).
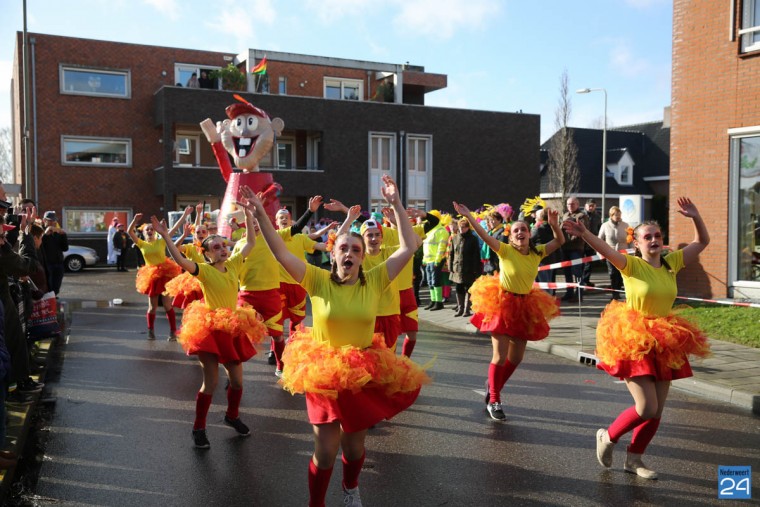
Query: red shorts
(408,311)
(357,411)
(293,298)
(390,327)
(268,304)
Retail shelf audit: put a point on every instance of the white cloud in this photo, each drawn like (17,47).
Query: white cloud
(240,21)
(442,18)
(168,7)
(623,60)
(329,11)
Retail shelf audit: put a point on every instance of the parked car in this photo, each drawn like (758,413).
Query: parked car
(77,257)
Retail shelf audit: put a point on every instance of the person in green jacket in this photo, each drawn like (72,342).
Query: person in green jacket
(433,256)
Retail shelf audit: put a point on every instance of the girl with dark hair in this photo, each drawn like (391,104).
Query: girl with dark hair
(350,378)
(508,307)
(641,341)
(216,329)
(152,278)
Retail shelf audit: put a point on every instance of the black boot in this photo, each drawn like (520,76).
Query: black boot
(460,302)
(438,305)
(467,306)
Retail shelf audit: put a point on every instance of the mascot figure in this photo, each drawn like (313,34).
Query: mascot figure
(247,136)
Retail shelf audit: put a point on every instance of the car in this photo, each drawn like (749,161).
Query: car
(77,257)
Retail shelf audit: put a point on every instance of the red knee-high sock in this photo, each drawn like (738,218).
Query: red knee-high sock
(506,371)
(319,479)
(172,320)
(642,435)
(494,372)
(233,402)
(408,347)
(202,404)
(351,471)
(625,422)
(151,319)
(279,348)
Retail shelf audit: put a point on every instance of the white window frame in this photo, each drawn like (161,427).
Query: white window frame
(313,144)
(343,83)
(750,10)
(126,213)
(112,140)
(285,141)
(411,164)
(191,67)
(625,161)
(374,173)
(282,85)
(68,89)
(194,140)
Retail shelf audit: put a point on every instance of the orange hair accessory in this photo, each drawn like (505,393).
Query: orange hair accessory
(331,237)
(629,238)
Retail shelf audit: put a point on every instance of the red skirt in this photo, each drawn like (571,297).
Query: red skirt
(632,344)
(184,289)
(521,316)
(152,280)
(228,334)
(357,387)
(390,327)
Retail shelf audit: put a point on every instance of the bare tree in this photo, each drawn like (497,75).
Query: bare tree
(6,157)
(564,174)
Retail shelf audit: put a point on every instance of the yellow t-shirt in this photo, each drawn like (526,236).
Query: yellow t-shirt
(260,271)
(390,302)
(190,251)
(405,278)
(517,272)
(651,290)
(237,234)
(220,290)
(298,245)
(344,314)
(154,252)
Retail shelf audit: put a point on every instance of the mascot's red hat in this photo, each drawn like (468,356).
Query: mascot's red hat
(244,107)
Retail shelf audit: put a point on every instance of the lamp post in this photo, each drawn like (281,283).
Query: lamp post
(604,146)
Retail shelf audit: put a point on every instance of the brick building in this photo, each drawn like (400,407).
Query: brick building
(715,142)
(113,130)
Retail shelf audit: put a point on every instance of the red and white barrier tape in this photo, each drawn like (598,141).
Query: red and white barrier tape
(566,285)
(582,260)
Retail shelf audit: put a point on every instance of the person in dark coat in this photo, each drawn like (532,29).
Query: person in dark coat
(121,243)
(54,243)
(464,265)
(542,234)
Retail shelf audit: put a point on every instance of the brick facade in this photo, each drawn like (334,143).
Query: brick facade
(714,89)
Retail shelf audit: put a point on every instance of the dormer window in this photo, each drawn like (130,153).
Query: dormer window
(624,177)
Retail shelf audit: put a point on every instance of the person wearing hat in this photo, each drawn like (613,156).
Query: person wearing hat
(111,256)
(54,243)
(120,243)
(433,256)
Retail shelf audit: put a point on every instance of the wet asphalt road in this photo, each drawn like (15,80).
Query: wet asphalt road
(120,434)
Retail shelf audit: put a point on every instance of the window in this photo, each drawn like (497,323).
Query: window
(88,221)
(187,152)
(285,154)
(750,31)
(380,152)
(344,89)
(313,147)
(283,85)
(624,175)
(745,170)
(96,82)
(183,72)
(96,151)
(418,166)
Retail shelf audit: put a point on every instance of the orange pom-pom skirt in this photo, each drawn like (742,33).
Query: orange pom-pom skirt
(522,316)
(358,387)
(152,280)
(632,344)
(184,289)
(229,334)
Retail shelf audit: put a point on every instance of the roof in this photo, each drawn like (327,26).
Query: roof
(648,144)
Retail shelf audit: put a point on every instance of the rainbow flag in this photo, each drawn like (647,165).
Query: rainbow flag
(261,68)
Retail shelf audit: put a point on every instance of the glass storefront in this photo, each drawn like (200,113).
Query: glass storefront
(747,155)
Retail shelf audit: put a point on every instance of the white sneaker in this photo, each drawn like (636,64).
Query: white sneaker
(496,412)
(634,465)
(604,447)
(351,497)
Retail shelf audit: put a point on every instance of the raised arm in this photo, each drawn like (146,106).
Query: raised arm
(574,228)
(318,234)
(701,236)
(186,231)
(198,214)
(314,204)
(407,237)
(179,223)
(249,226)
(160,227)
(492,242)
(131,228)
(292,264)
(559,238)
(352,214)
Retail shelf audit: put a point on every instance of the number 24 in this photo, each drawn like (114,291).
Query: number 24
(742,485)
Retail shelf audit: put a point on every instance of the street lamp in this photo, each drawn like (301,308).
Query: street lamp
(604,146)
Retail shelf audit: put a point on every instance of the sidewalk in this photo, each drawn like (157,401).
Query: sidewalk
(731,374)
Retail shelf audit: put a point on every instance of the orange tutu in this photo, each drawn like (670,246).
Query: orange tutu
(523,316)
(229,334)
(630,343)
(151,280)
(184,289)
(316,367)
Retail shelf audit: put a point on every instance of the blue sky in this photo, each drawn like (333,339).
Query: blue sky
(498,55)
